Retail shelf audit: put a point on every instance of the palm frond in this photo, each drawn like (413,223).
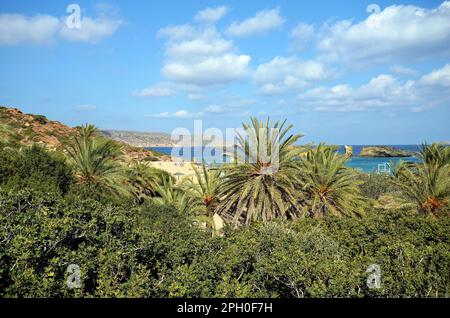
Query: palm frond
(330,187)
(94,161)
(262,184)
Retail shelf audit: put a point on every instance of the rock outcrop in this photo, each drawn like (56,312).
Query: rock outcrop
(348,151)
(384,151)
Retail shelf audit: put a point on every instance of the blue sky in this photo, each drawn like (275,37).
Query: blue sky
(340,74)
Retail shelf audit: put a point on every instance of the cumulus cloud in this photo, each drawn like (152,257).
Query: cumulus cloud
(197,56)
(209,111)
(209,70)
(214,109)
(182,113)
(262,22)
(381,92)
(403,70)
(91,30)
(439,77)
(157,90)
(211,15)
(384,92)
(160,115)
(205,44)
(284,74)
(303,35)
(176,31)
(19,29)
(201,56)
(396,32)
(229,110)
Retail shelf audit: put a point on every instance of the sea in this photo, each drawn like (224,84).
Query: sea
(209,155)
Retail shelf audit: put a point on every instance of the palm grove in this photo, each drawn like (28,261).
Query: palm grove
(309,228)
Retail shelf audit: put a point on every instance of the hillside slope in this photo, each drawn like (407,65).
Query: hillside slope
(140,139)
(28,129)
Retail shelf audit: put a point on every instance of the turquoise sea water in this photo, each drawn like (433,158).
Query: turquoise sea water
(368,165)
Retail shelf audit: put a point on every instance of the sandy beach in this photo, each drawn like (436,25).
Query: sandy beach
(175,168)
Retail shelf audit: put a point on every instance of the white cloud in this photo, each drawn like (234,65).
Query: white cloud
(209,43)
(302,35)
(440,77)
(201,56)
(91,30)
(160,115)
(398,31)
(383,92)
(283,74)
(195,97)
(182,113)
(214,109)
(18,29)
(157,90)
(176,31)
(209,70)
(211,15)
(209,111)
(402,70)
(262,22)
(198,55)
(229,110)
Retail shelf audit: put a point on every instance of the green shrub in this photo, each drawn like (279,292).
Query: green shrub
(40,119)
(42,235)
(125,250)
(321,258)
(375,185)
(34,167)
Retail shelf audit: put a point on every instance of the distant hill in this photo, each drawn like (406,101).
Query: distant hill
(157,139)
(28,129)
(140,139)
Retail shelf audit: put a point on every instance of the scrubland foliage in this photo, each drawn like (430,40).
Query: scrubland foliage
(308,229)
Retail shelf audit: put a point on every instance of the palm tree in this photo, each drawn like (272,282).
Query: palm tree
(428,187)
(435,154)
(205,187)
(426,184)
(168,193)
(95,161)
(262,183)
(142,180)
(330,188)
(204,190)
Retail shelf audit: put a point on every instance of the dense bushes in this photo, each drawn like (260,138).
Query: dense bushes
(36,168)
(40,119)
(41,235)
(375,185)
(156,252)
(327,258)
